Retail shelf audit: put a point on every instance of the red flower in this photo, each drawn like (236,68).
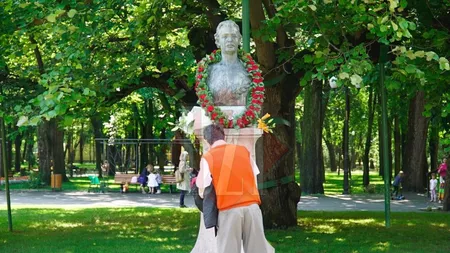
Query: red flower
(214,51)
(258,89)
(221,121)
(211,57)
(257,74)
(249,57)
(210,108)
(253,67)
(199,76)
(213,116)
(202,96)
(200,69)
(230,124)
(257,101)
(245,121)
(257,80)
(249,113)
(239,122)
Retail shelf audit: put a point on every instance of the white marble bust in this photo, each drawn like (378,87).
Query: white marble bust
(228,80)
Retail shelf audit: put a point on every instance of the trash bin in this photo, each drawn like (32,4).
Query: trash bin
(56,181)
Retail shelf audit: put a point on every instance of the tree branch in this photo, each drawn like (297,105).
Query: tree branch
(38,55)
(265,50)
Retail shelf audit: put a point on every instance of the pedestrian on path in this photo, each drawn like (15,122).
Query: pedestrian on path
(184,170)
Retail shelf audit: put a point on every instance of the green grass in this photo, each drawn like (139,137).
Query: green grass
(163,230)
(333,184)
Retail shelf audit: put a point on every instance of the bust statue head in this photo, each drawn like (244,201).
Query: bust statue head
(227,36)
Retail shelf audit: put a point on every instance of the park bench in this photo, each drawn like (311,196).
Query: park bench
(170,180)
(122,179)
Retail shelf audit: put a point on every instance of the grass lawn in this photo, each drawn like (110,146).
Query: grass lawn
(163,230)
(333,184)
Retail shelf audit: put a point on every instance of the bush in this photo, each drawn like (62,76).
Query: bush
(370,188)
(34,180)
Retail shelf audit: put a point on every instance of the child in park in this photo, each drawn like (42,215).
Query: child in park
(159,181)
(442,174)
(397,184)
(151,182)
(433,186)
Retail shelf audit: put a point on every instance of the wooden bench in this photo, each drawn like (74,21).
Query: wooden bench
(170,180)
(122,179)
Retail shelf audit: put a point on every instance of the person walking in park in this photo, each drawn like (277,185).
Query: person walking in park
(442,170)
(184,170)
(397,184)
(433,186)
(232,172)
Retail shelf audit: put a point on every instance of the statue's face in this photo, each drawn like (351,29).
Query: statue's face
(228,39)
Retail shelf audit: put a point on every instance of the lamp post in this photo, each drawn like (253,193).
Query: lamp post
(333,85)
(384,130)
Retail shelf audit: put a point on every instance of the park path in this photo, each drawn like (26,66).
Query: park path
(79,199)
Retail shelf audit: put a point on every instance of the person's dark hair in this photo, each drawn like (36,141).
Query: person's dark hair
(213,133)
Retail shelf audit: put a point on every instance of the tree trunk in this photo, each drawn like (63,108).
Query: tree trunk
(44,150)
(311,164)
(82,143)
(58,151)
(380,149)
(434,141)
(163,148)
(279,203)
(29,156)
(366,158)
(9,154)
(446,202)
(390,149)
(176,149)
(397,145)
(298,149)
(415,147)
(17,156)
(331,154)
(97,125)
(2,170)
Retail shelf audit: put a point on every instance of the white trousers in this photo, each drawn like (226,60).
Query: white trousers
(242,225)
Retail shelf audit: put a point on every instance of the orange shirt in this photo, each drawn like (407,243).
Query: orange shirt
(232,176)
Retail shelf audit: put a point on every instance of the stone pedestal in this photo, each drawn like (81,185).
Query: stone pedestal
(206,240)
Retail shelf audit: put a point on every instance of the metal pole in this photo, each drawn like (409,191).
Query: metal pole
(246,25)
(346,141)
(5,168)
(384,131)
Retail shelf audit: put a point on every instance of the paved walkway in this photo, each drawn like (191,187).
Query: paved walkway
(77,199)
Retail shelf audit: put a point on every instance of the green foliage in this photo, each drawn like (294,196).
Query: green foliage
(35,180)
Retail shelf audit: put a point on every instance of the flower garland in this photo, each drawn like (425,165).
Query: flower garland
(255,96)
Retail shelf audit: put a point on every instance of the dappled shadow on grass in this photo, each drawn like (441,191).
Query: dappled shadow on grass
(164,230)
(363,232)
(104,230)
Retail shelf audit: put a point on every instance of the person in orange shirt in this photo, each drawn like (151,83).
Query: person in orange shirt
(232,172)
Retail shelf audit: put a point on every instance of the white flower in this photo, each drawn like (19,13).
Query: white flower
(185,123)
